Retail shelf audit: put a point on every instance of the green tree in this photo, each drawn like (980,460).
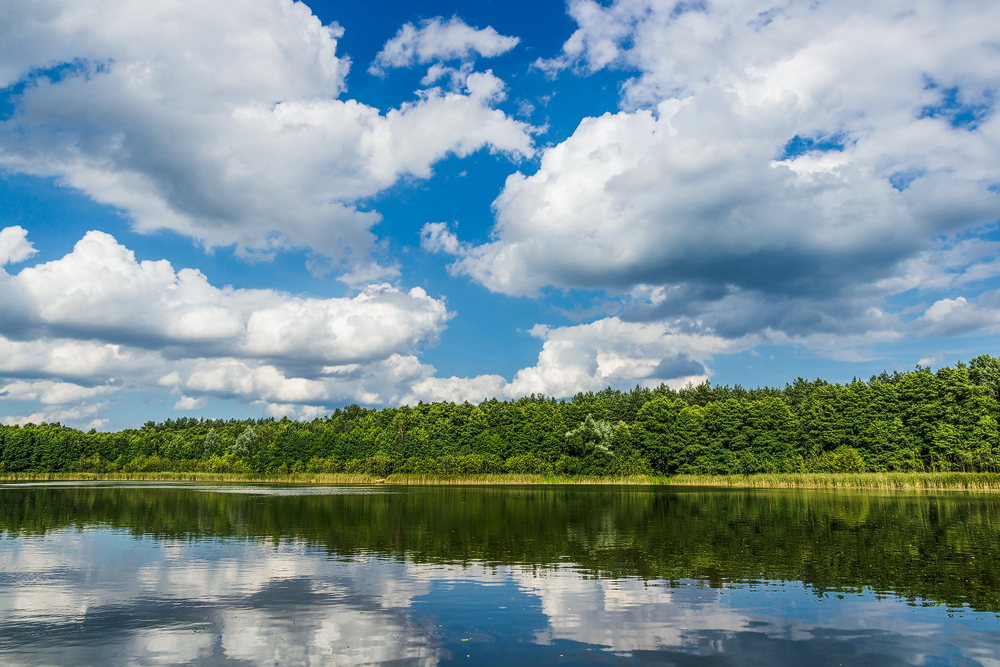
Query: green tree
(211,443)
(244,446)
(985,370)
(654,432)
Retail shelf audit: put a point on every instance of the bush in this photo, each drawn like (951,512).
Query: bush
(567,465)
(448,465)
(525,464)
(327,465)
(480,464)
(423,465)
(630,465)
(142,463)
(842,459)
(224,464)
(93,464)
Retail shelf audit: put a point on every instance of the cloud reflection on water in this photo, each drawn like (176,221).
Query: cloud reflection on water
(99,596)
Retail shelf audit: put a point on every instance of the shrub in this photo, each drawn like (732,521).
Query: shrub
(842,459)
(525,464)
(424,465)
(630,465)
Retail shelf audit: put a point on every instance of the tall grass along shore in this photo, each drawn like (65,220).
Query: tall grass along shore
(904,481)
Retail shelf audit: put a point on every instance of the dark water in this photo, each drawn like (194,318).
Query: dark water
(163,574)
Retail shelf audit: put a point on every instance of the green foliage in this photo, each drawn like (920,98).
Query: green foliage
(590,437)
(244,445)
(984,370)
(842,459)
(919,421)
(525,464)
(211,443)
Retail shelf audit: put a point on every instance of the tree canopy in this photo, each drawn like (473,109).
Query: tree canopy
(917,421)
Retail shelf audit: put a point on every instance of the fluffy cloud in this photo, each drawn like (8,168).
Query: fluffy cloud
(440,40)
(14,246)
(82,415)
(221,121)
(100,292)
(590,357)
(950,317)
(84,326)
(83,330)
(807,158)
(51,393)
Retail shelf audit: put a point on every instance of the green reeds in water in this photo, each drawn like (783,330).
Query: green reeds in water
(294,478)
(972,481)
(969,481)
(513,479)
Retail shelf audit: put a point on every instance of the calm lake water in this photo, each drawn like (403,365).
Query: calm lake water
(108,574)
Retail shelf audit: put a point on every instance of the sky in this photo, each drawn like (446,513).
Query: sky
(264,208)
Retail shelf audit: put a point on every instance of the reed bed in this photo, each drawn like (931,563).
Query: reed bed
(294,478)
(401,479)
(968,481)
(910,481)
(413,479)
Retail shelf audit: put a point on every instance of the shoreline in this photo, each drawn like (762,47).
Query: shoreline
(904,481)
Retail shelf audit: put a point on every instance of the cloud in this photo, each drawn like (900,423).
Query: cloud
(440,40)
(52,393)
(808,159)
(952,317)
(590,357)
(435,237)
(59,402)
(188,403)
(98,325)
(222,122)
(14,246)
(946,266)
(100,291)
(98,321)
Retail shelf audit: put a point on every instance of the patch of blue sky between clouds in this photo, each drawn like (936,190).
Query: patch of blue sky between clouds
(961,109)
(799,145)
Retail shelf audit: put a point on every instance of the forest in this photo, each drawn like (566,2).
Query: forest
(944,420)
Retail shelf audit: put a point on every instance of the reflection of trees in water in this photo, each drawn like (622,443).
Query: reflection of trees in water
(937,547)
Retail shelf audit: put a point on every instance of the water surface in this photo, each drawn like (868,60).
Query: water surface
(252,574)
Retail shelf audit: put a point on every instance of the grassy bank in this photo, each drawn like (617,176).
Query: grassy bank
(970,481)
(298,478)
(902,481)
(510,479)
(402,479)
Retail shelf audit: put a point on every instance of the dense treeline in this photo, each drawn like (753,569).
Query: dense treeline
(917,421)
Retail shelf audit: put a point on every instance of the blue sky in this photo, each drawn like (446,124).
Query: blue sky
(270,208)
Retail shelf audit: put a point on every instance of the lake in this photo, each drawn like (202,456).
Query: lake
(163,573)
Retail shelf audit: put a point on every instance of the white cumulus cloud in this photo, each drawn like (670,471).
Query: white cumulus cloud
(223,121)
(440,40)
(14,246)
(590,357)
(807,158)
(85,330)
(101,292)
(97,321)
(950,317)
